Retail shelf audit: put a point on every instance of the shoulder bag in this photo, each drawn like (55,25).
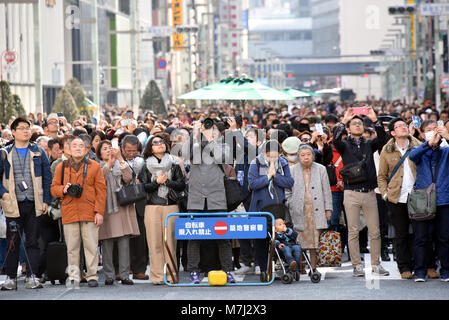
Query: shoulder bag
(234,194)
(422,203)
(354,173)
(131,193)
(54,210)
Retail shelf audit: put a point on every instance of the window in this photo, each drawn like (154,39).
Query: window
(124,6)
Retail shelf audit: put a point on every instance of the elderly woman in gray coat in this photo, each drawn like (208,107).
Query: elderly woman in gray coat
(310,201)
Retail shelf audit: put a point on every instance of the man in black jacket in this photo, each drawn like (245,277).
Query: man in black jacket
(361,196)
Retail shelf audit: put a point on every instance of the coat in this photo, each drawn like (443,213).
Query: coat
(93,198)
(40,174)
(123,222)
(423,156)
(389,157)
(206,179)
(321,195)
(258,182)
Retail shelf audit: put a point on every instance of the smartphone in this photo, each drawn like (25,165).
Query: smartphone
(60,114)
(440,123)
(114,143)
(128,114)
(416,121)
(360,110)
(429,135)
(319,128)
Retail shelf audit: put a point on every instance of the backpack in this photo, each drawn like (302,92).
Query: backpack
(329,254)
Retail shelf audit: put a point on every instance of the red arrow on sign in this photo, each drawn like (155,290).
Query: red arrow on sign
(220,228)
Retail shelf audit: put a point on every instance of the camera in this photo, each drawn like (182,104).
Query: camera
(13,227)
(75,191)
(208,123)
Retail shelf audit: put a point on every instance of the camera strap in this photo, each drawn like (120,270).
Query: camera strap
(84,172)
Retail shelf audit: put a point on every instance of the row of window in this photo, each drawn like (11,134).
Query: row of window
(285,36)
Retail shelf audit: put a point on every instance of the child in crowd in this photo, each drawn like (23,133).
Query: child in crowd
(285,240)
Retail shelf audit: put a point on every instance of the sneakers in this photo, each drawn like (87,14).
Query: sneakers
(9,284)
(33,282)
(194,278)
(245,270)
(379,270)
(230,277)
(420,278)
(358,271)
(257,270)
(444,278)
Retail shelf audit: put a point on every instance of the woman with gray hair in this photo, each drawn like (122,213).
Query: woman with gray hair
(309,201)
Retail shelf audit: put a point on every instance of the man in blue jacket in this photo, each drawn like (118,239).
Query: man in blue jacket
(425,157)
(25,193)
(269,175)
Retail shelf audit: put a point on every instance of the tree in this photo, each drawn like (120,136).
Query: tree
(77,92)
(66,104)
(18,106)
(7,110)
(152,99)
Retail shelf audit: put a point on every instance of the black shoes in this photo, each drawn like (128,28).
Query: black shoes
(109,282)
(385,256)
(128,282)
(92,283)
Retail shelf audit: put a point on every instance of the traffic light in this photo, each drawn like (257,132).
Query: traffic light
(402,10)
(186,28)
(377,52)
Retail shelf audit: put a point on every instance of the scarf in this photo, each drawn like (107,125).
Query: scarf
(113,184)
(156,167)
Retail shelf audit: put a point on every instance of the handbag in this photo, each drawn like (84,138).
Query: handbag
(422,203)
(131,193)
(330,168)
(354,173)
(180,197)
(234,194)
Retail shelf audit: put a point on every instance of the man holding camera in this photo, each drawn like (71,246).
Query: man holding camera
(359,188)
(83,194)
(25,192)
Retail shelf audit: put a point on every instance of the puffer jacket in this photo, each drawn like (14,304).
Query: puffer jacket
(40,174)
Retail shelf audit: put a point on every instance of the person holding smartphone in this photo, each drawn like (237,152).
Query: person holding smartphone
(361,196)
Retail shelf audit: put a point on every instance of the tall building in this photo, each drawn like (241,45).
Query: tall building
(66,49)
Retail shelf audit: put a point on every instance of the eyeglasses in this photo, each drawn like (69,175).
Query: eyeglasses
(158,142)
(400,126)
(53,122)
(305,139)
(356,123)
(132,151)
(23,129)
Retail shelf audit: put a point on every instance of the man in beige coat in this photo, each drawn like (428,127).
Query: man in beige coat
(395,189)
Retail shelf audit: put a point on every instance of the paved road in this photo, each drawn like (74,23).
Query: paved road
(336,284)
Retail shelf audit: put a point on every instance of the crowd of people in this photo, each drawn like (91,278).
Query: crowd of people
(349,168)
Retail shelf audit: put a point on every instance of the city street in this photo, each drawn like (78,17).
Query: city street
(336,284)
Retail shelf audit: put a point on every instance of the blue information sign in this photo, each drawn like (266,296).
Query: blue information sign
(220,228)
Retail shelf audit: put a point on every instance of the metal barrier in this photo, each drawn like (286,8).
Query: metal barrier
(220,231)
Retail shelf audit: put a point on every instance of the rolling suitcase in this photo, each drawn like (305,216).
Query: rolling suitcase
(57,259)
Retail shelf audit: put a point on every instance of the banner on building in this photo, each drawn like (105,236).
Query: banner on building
(176,8)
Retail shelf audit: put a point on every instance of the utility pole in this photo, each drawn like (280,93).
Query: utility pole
(95,62)
(163,9)
(436,32)
(134,51)
(37,57)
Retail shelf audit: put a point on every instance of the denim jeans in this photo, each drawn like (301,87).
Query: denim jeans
(292,253)
(442,227)
(422,240)
(3,245)
(337,203)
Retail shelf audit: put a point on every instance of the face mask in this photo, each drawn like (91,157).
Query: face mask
(292,158)
(429,135)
